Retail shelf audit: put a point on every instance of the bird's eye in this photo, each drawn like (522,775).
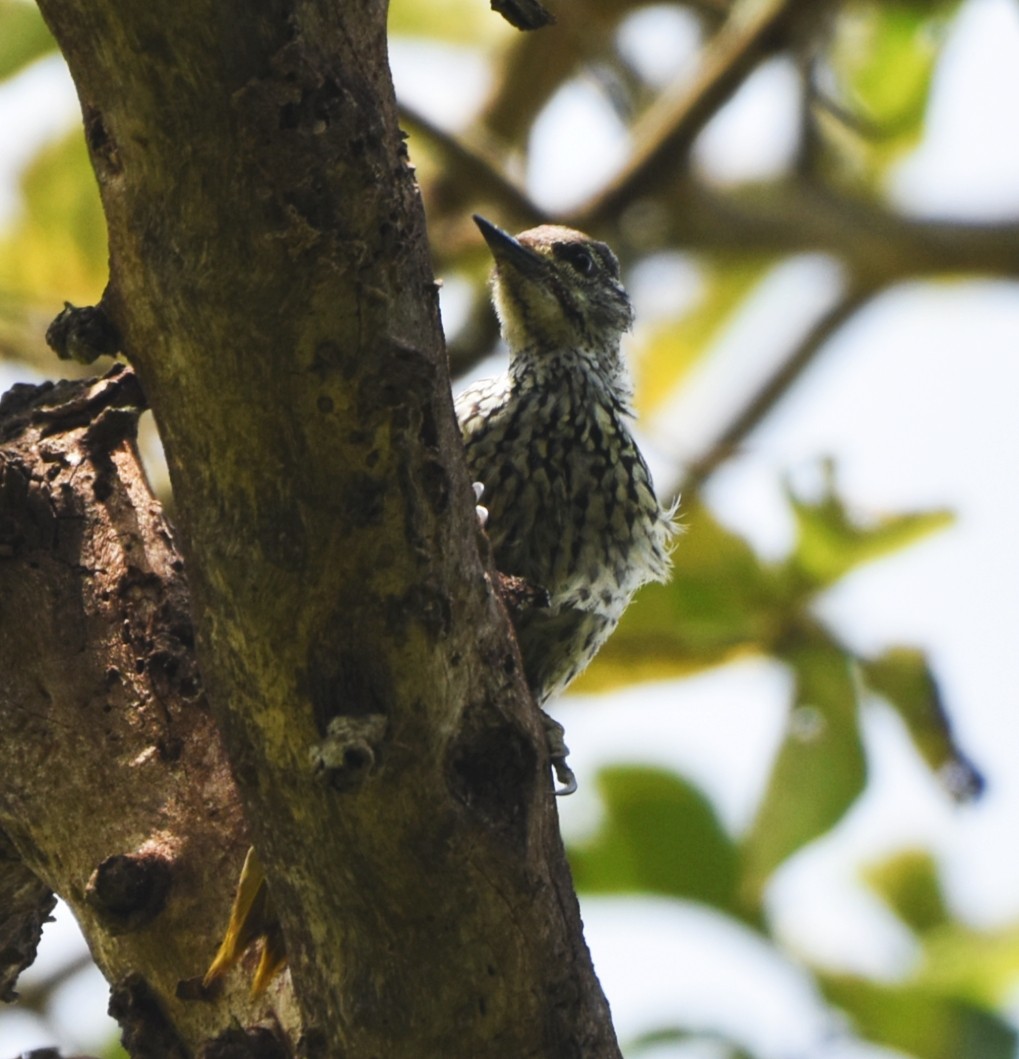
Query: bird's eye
(579,258)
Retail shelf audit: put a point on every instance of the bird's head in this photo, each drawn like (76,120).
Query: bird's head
(557,289)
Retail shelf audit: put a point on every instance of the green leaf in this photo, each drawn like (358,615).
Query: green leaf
(820,769)
(23,36)
(920,1021)
(883,59)
(722,601)
(676,346)
(904,679)
(908,883)
(830,542)
(980,966)
(57,249)
(660,835)
(889,60)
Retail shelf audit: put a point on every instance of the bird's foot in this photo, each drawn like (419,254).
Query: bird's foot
(558,752)
(482,511)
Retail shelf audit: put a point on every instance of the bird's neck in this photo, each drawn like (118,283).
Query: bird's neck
(599,374)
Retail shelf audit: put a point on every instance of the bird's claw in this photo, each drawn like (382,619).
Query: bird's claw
(564,774)
(482,511)
(558,752)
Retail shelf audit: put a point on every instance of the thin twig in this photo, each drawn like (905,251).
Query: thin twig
(36,996)
(785,376)
(664,135)
(482,174)
(796,215)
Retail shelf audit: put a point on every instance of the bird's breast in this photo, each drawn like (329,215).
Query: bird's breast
(571,505)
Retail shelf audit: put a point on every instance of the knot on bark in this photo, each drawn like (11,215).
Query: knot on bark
(25,905)
(492,769)
(146,1028)
(83,334)
(519,595)
(129,890)
(350,751)
(254,1042)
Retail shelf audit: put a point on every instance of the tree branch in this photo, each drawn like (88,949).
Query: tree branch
(116,792)
(773,389)
(270,282)
(25,905)
(664,135)
(474,168)
(794,215)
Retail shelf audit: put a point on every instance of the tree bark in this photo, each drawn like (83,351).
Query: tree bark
(269,282)
(115,792)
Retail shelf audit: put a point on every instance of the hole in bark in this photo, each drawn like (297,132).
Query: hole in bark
(492,769)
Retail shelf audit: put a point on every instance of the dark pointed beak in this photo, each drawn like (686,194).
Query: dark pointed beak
(509,251)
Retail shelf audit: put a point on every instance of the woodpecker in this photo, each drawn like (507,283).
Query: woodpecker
(571,506)
(571,509)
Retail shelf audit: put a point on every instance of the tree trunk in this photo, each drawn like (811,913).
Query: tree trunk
(269,282)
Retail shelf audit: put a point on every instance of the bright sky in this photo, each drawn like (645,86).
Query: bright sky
(917,401)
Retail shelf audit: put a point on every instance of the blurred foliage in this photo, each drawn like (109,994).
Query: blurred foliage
(57,248)
(669,353)
(903,677)
(865,69)
(24,39)
(53,248)
(659,835)
(882,64)
(909,883)
(820,769)
(919,1020)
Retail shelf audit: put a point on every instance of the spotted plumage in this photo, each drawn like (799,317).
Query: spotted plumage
(571,506)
